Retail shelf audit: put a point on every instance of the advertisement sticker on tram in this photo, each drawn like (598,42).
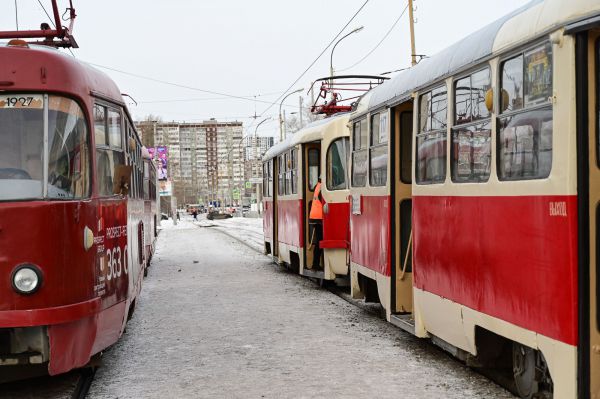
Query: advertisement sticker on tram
(111,244)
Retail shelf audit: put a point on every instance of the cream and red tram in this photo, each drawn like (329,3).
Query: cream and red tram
(291,170)
(77,212)
(484,161)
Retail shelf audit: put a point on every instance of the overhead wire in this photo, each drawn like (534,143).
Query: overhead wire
(48,15)
(318,57)
(378,44)
(182,86)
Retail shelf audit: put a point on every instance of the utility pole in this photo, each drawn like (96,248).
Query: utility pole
(412,33)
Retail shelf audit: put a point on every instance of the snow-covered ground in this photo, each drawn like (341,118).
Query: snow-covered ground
(217,319)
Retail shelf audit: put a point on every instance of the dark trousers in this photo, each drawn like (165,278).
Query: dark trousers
(316,235)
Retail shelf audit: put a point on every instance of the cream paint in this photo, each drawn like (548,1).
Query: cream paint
(542,18)
(383,285)
(455,324)
(335,263)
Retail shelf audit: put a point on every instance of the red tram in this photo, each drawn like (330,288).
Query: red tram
(291,172)
(77,212)
(474,192)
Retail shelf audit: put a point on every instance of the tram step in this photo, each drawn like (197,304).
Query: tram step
(404,321)
(313,274)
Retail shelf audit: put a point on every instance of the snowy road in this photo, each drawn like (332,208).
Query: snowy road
(218,320)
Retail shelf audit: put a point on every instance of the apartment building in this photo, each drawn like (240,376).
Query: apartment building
(205,160)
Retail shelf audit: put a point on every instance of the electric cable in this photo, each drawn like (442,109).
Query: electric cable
(378,44)
(318,57)
(177,84)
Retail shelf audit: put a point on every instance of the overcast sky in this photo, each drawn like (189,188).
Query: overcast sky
(253,49)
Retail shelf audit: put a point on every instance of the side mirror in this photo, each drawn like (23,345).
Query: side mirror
(489,100)
(122,179)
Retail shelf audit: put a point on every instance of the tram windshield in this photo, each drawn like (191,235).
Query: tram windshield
(23,161)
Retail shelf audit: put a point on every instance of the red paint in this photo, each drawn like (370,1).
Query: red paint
(336,225)
(290,222)
(370,238)
(71,345)
(47,316)
(514,258)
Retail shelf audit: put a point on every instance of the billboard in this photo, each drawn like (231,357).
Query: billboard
(159,154)
(165,188)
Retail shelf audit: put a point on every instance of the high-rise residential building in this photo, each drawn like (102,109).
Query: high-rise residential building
(254,149)
(205,160)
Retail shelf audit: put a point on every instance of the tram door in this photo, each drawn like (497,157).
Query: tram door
(312,171)
(274,182)
(402,192)
(592,87)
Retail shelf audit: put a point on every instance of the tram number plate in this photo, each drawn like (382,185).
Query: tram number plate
(27,101)
(356,208)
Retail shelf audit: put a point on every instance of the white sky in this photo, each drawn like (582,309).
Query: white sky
(247,47)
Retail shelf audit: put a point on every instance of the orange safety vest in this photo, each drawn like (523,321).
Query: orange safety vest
(316,210)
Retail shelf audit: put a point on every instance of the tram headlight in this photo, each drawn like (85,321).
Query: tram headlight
(26,279)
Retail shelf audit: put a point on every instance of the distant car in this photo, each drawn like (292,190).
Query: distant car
(218,215)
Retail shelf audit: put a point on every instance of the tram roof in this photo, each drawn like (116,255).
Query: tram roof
(311,132)
(63,73)
(525,23)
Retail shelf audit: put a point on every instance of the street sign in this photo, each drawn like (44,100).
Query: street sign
(248,184)
(236,193)
(255,180)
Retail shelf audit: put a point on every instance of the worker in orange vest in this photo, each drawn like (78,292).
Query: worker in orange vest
(315,221)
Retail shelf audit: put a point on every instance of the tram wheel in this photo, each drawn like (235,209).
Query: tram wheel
(524,370)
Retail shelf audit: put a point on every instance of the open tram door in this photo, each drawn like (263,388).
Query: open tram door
(587,43)
(401,191)
(311,171)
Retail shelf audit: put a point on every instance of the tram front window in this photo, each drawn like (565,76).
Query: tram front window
(68,156)
(21,146)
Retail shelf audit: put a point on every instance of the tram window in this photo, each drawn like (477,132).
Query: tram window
(281,175)
(525,137)
(337,164)
(294,173)
(471,153)
(378,153)
(270,171)
(69,154)
(106,162)
(313,168)
(265,180)
(431,140)
(512,84)
(525,145)
(469,100)
(288,173)
(431,158)
(21,143)
(359,168)
(100,125)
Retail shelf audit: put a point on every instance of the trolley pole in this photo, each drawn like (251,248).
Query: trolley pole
(412,33)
